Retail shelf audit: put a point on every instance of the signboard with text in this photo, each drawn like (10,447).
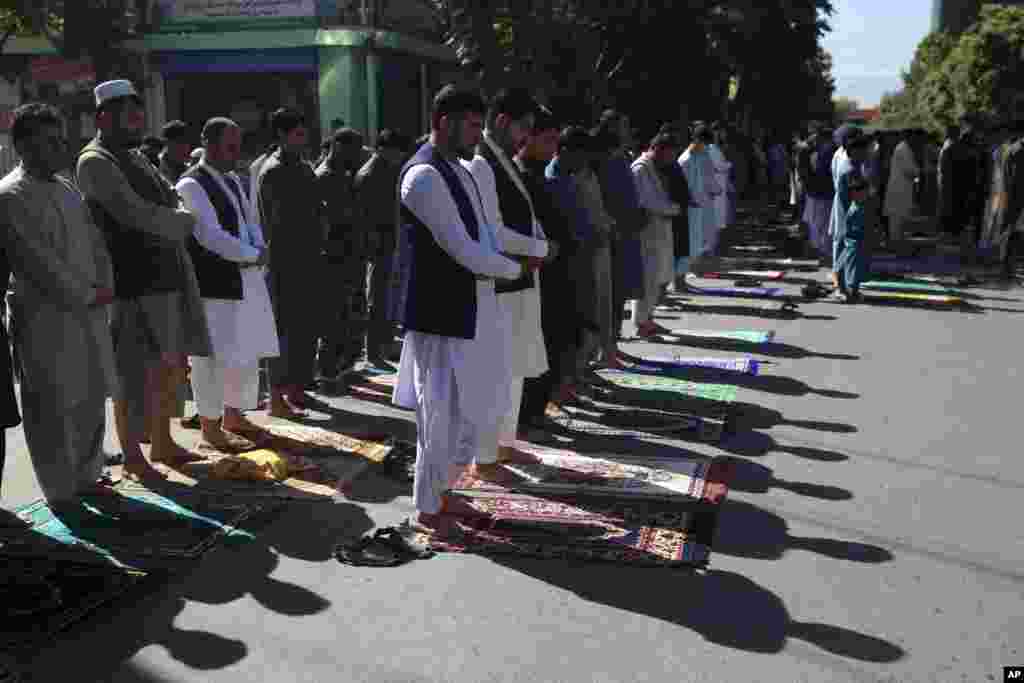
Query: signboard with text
(179,14)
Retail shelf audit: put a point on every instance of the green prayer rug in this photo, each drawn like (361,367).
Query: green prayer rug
(907,286)
(136,528)
(748,336)
(722,393)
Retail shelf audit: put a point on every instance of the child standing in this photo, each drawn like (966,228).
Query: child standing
(851,262)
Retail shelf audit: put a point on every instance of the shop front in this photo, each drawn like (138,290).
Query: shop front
(226,58)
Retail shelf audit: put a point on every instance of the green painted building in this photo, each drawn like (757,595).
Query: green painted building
(244,59)
(244,63)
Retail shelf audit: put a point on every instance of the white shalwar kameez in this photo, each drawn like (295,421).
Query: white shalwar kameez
(527,354)
(456,386)
(242,332)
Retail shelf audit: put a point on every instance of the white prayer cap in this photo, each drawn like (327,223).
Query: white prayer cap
(111,90)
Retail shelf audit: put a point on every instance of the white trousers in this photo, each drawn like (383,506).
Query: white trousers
(215,386)
(508,430)
(446,441)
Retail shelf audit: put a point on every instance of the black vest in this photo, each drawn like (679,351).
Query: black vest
(434,294)
(143,263)
(515,212)
(218,278)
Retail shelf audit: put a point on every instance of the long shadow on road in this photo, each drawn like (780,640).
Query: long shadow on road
(725,608)
(113,636)
(774,350)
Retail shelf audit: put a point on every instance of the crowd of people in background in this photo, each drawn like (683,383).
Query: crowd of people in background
(503,248)
(967,188)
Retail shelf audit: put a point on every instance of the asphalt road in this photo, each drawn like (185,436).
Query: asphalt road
(871,535)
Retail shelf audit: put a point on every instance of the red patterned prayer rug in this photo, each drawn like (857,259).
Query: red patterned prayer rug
(640,533)
(562,472)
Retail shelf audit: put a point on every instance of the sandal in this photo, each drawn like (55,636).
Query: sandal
(367,552)
(402,540)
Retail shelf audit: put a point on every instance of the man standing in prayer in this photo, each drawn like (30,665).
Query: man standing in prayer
(158,318)
(63,285)
(722,168)
(704,190)
(230,256)
(900,204)
(657,237)
(346,255)
(295,228)
(573,157)
(820,191)
(679,192)
(174,159)
(852,153)
(619,193)
(453,371)
(508,207)
(376,188)
(588,187)
(575,147)
(559,317)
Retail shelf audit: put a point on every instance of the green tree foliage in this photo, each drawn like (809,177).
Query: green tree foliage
(979,73)
(699,59)
(77,28)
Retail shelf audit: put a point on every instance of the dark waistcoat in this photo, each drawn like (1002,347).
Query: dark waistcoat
(515,212)
(142,263)
(435,294)
(218,278)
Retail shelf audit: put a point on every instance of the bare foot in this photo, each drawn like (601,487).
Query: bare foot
(439,527)
(243,427)
(511,455)
(223,441)
(299,399)
(139,469)
(495,474)
(173,454)
(284,411)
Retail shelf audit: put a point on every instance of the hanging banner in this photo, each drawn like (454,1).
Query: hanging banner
(176,14)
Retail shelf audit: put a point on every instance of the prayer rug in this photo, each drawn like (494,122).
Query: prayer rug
(748,292)
(696,478)
(739,274)
(322,464)
(40,597)
(907,286)
(640,405)
(770,263)
(717,305)
(636,532)
(722,393)
(673,366)
(638,424)
(896,297)
(746,336)
(136,528)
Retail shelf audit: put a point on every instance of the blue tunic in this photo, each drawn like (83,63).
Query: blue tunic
(851,263)
(842,167)
(700,179)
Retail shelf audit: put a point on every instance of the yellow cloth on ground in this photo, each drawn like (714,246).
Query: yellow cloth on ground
(261,465)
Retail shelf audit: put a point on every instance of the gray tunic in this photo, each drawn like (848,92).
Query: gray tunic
(58,255)
(149,325)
